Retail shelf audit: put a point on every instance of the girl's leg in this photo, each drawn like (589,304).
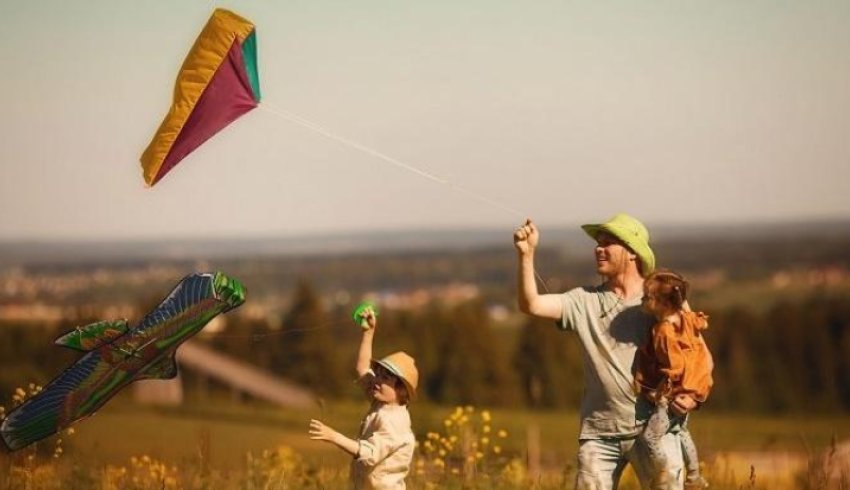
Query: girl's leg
(657,425)
(689,452)
(669,478)
(693,479)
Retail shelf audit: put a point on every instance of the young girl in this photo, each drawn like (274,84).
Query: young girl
(384,449)
(676,361)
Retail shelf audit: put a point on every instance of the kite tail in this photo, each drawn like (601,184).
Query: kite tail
(43,415)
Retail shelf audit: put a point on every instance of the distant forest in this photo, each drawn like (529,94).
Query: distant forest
(794,356)
(772,353)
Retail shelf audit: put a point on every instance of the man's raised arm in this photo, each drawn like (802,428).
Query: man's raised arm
(526,238)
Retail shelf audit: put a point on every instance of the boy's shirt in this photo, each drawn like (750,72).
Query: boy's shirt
(386,445)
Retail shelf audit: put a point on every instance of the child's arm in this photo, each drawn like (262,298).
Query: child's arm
(668,354)
(364,353)
(321,432)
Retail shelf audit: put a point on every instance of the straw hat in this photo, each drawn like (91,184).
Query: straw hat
(632,233)
(403,366)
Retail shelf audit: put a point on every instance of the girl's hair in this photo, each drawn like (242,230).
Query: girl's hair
(668,287)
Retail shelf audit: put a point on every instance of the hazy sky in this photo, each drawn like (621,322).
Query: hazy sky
(564,111)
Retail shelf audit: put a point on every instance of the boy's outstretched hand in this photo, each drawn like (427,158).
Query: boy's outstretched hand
(320,432)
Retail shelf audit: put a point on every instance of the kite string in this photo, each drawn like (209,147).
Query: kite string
(375,153)
(294,118)
(256,337)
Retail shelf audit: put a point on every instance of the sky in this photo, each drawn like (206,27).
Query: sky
(562,111)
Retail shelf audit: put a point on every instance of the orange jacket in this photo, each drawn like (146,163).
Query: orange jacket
(676,360)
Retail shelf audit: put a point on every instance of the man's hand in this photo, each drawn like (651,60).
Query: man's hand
(321,432)
(683,404)
(526,237)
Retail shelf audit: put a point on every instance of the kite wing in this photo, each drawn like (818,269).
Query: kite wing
(116,356)
(51,409)
(217,84)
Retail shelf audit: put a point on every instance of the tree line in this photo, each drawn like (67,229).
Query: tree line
(794,356)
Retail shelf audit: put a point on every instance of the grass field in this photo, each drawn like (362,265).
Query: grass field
(225,445)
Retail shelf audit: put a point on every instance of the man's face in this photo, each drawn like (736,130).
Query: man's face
(612,257)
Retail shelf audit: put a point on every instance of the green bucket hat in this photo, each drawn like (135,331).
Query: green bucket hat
(632,233)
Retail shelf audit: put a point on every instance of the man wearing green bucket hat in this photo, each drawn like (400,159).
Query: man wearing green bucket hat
(611,326)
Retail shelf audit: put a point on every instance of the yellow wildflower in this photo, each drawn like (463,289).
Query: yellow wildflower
(485,429)
(485,441)
(485,415)
(503,433)
(497,449)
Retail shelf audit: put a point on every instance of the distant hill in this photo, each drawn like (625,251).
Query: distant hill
(568,239)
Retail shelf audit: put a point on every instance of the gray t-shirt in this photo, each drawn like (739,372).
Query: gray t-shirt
(610,330)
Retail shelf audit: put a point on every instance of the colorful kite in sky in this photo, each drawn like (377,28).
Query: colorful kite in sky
(117,355)
(217,84)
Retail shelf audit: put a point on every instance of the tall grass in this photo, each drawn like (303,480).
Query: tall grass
(219,445)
